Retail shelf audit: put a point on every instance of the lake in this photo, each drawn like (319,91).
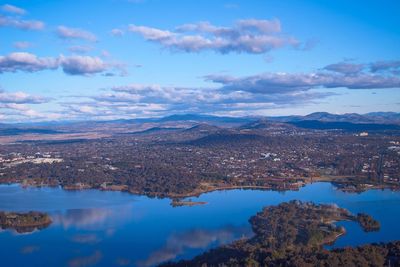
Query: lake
(96,228)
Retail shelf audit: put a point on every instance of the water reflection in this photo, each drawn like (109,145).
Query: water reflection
(89,260)
(29,249)
(91,218)
(123,262)
(178,243)
(26,231)
(117,229)
(86,239)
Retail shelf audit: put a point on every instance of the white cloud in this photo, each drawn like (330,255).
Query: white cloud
(246,36)
(233,95)
(82,65)
(13,9)
(17,105)
(345,68)
(22,61)
(388,65)
(64,32)
(275,83)
(117,32)
(21,24)
(22,45)
(80,49)
(20,98)
(72,65)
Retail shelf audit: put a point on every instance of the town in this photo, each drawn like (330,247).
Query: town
(187,161)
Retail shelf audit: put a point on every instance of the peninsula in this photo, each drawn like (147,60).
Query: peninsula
(294,234)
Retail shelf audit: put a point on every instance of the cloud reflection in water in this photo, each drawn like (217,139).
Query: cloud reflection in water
(178,243)
(92,219)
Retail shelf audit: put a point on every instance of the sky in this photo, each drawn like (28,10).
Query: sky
(124,59)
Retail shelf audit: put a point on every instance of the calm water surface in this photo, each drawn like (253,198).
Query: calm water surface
(94,228)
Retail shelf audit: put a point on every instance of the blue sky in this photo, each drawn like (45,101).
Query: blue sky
(79,60)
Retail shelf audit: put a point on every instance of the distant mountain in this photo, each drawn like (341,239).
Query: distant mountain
(19,131)
(199,118)
(203,128)
(346,126)
(348,117)
(258,124)
(264,124)
(187,117)
(205,118)
(156,130)
(385,116)
(376,117)
(226,138)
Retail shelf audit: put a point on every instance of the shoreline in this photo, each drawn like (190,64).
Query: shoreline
(340,182)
